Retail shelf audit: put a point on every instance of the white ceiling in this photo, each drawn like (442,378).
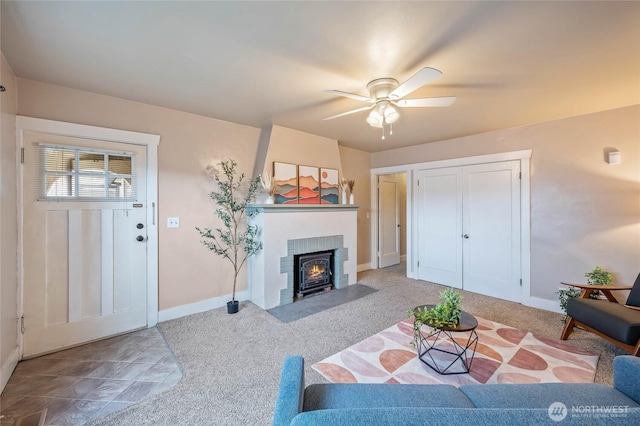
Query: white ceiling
(262,63)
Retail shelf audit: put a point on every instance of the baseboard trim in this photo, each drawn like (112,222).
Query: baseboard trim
(8,367)
(198,307)
(547,305)
(364,267)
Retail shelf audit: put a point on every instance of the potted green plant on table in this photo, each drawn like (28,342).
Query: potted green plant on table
(445,314)
(596,277)
(235,240)
(599,277)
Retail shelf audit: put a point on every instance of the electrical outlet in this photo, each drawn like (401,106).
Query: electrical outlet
(173,222)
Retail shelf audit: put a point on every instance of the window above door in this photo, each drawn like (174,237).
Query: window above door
(77,174)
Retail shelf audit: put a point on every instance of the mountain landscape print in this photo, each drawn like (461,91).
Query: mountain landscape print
(286,177)
(308,185)
(329,188)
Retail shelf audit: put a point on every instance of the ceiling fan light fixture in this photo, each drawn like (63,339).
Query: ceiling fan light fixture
(386,96)
(391,114)
(375,118)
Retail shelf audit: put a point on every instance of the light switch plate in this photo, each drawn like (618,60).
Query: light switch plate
(173,222)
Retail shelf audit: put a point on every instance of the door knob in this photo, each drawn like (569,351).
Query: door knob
(140,226)
(139,238)
(466,236)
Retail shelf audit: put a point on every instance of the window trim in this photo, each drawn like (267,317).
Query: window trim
(76,173)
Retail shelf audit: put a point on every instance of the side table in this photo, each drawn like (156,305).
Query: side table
(439,350)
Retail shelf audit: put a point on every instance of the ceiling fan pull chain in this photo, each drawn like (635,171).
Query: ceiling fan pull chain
(390,129)
(383,132)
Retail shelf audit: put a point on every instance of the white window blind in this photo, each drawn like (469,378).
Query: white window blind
(73,173)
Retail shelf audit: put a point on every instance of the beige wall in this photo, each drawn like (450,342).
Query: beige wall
(187,271)
(188,143)
(8,215)
(584,212)
(292,146)
(356,165)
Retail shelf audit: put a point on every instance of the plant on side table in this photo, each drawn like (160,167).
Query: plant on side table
(599,277)
(445,314)
(596,277)
(235,240)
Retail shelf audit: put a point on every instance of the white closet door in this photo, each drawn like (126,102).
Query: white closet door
(491,229)
(468,221)
(440,226)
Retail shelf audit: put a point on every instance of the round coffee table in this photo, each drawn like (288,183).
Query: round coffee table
(439,350)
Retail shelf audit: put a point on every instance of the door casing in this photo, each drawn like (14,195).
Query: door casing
(524,156)
(151,143)
(454,202)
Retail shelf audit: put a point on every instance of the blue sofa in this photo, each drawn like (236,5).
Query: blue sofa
(330,404)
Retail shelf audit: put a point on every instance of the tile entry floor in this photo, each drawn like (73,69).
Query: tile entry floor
(88,382)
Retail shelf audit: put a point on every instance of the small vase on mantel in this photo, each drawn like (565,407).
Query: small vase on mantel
(269,200)
(344,197)
(351,199)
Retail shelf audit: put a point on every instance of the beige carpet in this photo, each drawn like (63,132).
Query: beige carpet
(232,363)
(502,355)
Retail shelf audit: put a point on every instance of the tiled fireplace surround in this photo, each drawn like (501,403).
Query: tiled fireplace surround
(286,231)
(311,245)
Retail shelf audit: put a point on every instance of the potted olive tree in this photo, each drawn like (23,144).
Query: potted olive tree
(235,240)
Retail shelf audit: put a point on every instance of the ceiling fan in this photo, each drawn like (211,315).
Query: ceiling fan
(387,93)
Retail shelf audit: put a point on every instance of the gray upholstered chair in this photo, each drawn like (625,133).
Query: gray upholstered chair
(619,324)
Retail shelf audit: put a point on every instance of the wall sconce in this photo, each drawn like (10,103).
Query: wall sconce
(614,157)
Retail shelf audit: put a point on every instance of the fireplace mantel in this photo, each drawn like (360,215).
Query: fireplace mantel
(297,208)
(285,230)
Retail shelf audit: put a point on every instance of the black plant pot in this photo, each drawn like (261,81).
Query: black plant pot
(232,307)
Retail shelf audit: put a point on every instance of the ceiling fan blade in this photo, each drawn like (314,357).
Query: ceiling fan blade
(419,79)
(348,112)
(350,95)
(427,102)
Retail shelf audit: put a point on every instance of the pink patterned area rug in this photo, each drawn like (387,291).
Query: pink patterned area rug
(503,355)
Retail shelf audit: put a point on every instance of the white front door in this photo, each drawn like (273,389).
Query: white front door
(389,222)
(469,228)
(491,229)
(84,240)
(440,226)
